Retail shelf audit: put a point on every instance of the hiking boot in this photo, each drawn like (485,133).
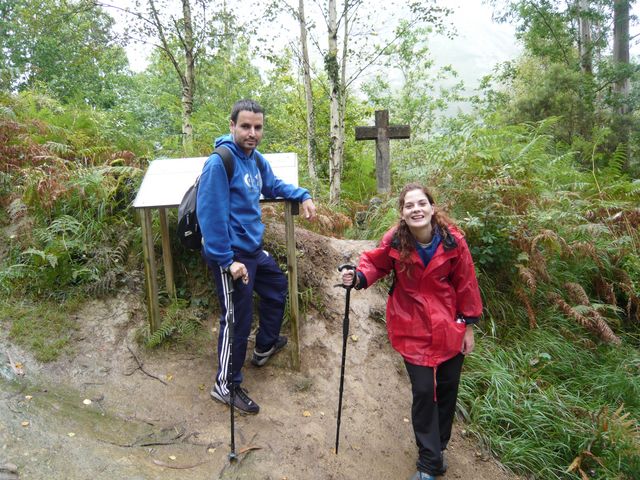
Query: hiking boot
(241,400)
(422,476)
(260,358)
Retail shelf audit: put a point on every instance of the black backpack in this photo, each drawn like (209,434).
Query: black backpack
(188,227)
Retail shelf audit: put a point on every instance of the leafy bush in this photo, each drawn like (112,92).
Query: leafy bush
(68,204)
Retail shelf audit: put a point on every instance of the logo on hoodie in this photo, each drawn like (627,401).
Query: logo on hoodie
(253,182)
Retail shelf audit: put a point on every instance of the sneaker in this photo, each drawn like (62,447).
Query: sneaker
(444,462)
(241,400)
(260,358)
(422,476)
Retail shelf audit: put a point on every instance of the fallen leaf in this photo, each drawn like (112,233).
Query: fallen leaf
(28,397)
(405,420)
(322,414)
(71,434)
(169,377)
(306,413)
(19,365)
(202,387)
(211,450)
(248,449)
(172,457)
(354,338)
(25,423)
(87,401)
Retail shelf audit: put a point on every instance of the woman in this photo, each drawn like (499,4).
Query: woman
(432,306)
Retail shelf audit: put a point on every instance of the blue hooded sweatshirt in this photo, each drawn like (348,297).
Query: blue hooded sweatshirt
(229,211)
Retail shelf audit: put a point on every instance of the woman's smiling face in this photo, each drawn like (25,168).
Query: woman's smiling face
(416,210)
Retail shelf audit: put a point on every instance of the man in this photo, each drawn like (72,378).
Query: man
(230,220)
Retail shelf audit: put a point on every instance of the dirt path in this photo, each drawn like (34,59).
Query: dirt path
(138,427)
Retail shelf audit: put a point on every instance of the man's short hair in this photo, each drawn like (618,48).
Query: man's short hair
(245,105)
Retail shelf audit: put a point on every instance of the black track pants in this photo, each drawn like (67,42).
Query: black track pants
(432,415)
(268,281)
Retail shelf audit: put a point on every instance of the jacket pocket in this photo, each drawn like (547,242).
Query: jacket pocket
(454,334)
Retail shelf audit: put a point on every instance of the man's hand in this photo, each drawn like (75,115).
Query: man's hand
(308,209)
(238,270)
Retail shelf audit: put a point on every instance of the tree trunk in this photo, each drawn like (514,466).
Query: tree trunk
(312,147)
(586,47)
(342,105)
(188,77)
(622,84)
(621,47)
(333,73)
(189,85)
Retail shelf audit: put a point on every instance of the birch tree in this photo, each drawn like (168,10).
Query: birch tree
(355,41)
(312,147)
(585,43)
(183,35)
(350,51)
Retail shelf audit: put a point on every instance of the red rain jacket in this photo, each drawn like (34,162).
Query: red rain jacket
(425,302)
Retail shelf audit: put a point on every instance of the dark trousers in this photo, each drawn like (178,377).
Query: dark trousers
(432,415)
(268,281)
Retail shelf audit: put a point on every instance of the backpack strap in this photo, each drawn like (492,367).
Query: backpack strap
(260,162)
(227,160)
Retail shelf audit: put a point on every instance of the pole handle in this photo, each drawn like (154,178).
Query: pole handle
(347,266)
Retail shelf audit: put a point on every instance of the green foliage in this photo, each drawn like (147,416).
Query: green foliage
(66,47)
(540,399)
(424,92)
(563,74)
(180,325)
(44,327)
(68,202)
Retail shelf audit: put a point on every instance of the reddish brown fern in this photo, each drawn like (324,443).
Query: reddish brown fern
(520,293)
(593,321)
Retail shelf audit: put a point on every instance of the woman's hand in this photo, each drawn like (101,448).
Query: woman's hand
(348,278)
(468,342)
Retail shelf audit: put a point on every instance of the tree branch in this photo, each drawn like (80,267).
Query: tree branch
(165,43)
(552,31)
(141,367)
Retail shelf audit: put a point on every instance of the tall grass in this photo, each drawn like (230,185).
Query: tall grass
(542,400)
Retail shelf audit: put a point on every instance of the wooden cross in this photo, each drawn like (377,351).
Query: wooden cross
(382,133)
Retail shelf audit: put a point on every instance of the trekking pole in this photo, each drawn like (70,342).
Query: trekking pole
(345,335)
(228,280)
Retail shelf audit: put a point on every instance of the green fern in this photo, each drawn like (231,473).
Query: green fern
(58,148)
(158,337)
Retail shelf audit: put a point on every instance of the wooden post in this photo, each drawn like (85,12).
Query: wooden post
(150,270)
(291,209)
(167,258)
(382,133)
